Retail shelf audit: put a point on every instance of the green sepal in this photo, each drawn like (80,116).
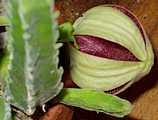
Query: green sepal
(95,101)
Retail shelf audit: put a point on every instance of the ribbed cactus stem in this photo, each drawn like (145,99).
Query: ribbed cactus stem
(33,74)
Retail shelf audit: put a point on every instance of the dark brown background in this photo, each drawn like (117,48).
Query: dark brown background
(144,94)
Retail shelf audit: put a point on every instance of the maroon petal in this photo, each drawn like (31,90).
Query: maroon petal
(103,48)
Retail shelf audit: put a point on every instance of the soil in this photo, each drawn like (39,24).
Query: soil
(58,112)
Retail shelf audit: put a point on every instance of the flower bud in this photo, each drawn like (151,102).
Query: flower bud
(114,49)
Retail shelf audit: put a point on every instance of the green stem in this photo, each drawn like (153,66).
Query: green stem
(66,32)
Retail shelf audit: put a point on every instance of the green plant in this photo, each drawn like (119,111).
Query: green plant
(29,70)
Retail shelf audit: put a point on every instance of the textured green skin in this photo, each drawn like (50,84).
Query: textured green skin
(33,74)
(95,101)
(5,110)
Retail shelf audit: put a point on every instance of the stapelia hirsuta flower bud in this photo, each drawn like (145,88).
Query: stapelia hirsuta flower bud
(114,49)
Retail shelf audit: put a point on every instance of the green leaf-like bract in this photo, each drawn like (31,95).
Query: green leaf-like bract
(94,100)
(33,74)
